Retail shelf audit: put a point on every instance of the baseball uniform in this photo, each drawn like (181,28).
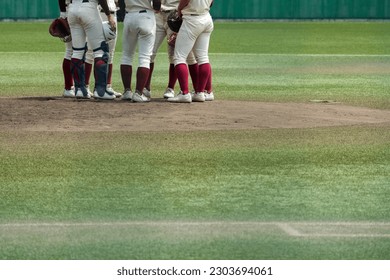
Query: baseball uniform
(194,35)
(89,58)
(85,22)
(139,28)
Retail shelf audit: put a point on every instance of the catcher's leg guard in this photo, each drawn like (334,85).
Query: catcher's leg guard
(101,72)
(78,73)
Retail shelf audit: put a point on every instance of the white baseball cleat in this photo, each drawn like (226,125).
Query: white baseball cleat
(198,97)
(69,93)
(106,96)
(128,95)
(147,93)
(112,91)
(169,93)
(82,93)
(137,97)
(209,96)
(181,98)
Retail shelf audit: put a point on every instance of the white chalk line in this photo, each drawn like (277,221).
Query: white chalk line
(291,229)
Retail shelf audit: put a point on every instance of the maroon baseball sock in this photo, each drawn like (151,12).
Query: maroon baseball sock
(172,76)
(194,70)
(109,75)
(182,76)
(204,74)
(68,80)
(142,77)
(126,72)
(148,81)
(209,87)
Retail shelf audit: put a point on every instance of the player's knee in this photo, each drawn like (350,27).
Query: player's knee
(202,60)
(127,60)
(144,61)
(68,54)
(78,54)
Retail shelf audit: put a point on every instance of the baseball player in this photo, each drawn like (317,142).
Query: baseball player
(163,32)
(68,80)
(85,22)
(112,5)
(194,34)
(139,27)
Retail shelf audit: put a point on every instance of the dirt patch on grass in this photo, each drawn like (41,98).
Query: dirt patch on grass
(60,114)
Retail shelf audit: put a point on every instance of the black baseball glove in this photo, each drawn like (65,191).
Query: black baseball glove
(174,21)
(60,28)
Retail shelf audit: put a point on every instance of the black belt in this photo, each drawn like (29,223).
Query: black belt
(141,12)
(167,11)
(194,15)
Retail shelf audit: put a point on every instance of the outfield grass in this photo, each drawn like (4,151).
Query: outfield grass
(273,175)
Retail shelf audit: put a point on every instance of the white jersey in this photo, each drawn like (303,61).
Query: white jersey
(197,7)
(169,5)
(138,5)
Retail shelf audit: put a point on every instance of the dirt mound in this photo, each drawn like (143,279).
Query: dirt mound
(60,114)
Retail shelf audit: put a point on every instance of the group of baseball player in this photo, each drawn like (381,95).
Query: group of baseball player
(93,28)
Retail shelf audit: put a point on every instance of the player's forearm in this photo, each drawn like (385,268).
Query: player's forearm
(182,5)
(62,5)
(104,5)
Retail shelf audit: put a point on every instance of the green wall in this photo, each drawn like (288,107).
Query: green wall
(234,9)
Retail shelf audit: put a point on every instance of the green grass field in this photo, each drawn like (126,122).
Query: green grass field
(313,193)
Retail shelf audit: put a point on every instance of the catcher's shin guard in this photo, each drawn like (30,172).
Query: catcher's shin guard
(78,73)
(101,70)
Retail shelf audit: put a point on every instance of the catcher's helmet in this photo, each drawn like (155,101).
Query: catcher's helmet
(109,34)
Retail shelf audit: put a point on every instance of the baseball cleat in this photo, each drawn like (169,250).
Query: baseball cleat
(147,93)
(112,91)
(128,95)
(106,96)
(181,98)
(139,97)
(82,93)
(169,93)
(69,93)
(209,96)
(198,97)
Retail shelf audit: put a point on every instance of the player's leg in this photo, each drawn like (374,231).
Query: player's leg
(89,60)
(66,70)
(94,31)
(159,39)
(184,43)
(78,54)
(146,26)
(129,44)
(172,77)
(193,68)
(112,46)
(200,49)
(209,94)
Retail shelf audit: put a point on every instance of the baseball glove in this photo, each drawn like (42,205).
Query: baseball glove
(60,28)
(174,21)
(172,39)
